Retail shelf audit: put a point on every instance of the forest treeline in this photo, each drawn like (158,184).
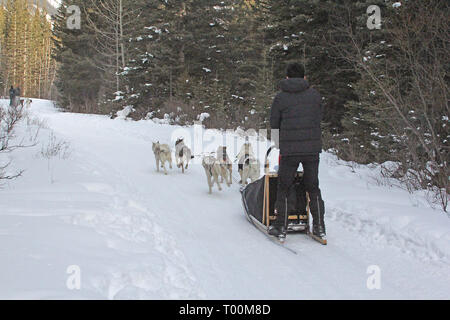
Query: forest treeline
(385,88)
(26,48)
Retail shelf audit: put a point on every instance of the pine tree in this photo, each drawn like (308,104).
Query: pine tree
(78,78)
(254,78)
(302,31)
(155,56)
(197,56)
(365,140)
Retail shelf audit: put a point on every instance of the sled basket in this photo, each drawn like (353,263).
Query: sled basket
(259,198)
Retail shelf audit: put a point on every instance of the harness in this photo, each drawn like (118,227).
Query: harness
(224,154)
(181,153)
(158,151)
(246,161)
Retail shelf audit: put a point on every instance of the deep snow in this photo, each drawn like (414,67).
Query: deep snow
(138,234)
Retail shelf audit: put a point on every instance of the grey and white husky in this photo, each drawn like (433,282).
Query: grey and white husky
(182,154)
(163,154)
(248,164)
(226,167)
(213,171)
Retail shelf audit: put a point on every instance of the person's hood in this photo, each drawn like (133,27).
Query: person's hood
(294,85)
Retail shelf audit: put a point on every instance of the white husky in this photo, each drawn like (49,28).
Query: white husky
(163,154)
(226,167)
(246,150)
(213,171)
(248,164)
(28,102)
(182,154)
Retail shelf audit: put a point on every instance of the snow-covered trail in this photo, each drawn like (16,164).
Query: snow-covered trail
(136,233)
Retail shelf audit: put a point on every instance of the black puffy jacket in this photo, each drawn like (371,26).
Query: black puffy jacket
(297,111)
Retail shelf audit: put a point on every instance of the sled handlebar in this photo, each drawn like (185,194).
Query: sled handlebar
(266,161)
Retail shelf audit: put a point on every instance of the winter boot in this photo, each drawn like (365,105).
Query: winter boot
(318,213)
(277,230)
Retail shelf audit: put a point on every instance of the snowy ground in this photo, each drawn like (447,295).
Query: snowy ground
(138,234)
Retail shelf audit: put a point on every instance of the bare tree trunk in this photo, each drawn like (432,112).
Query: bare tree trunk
(108,20)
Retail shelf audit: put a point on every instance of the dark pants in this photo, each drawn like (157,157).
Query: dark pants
(286,175)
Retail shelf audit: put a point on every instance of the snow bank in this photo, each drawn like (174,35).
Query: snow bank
(387,216)
(125,112)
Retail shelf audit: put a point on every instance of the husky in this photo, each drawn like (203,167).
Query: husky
(250,170)
(226,167)
(248,165)
(163,154)
(182,154)
(213,171)
(28,102)
(246,150)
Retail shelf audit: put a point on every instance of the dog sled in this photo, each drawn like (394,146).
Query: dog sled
(259,198)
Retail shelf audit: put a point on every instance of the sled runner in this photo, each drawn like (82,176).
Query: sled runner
(259,198)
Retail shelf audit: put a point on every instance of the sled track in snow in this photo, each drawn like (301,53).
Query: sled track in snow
(409,240)
(129,220)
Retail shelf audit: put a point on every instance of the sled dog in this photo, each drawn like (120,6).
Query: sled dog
(226,167)
(250,170)
(248,165)
(163,154)
(182,154)
(28,102)
(212,170)
(246,150)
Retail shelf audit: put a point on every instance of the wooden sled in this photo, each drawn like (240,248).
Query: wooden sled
(259,203)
